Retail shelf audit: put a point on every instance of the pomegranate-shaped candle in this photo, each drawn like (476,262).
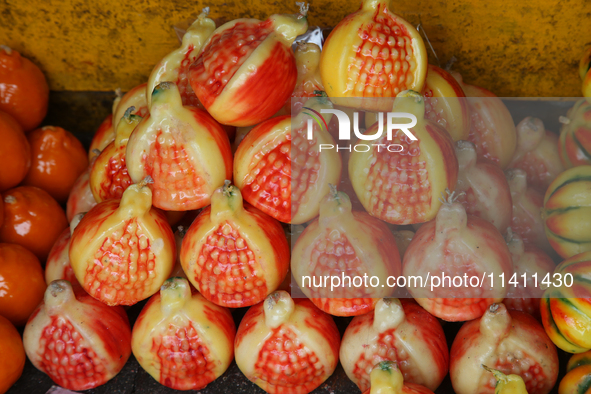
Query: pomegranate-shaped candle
(399,331)
(123,250)
(78,341)
(457,245)
(246,69)
(234,254)
(404,186)
(174,67)
(344,243)
(512,342)
(182,340)
(183,149)
(287,345)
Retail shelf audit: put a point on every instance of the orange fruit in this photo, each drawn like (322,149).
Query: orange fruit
(13,357)
(33,219)
(23,89)
(58,159)
(22,283)
(15,153)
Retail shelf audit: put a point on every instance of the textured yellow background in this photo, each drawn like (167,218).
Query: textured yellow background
(512,47)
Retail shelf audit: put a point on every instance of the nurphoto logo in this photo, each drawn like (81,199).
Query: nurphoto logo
(392,123)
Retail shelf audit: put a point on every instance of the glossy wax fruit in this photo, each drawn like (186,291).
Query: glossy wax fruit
(13,361)
(281,171)
(375,54)
(537,154)
(403,187)
(578,375)
(123,250)
(33,219)
(15,152)
(531,267)
(457,244)
(109,176)
(246,70)
(234,254)
(78,341)
(286,345)
(23,89)
(567,212)
(482,187)
(527,208)
(344,242)
(174,67)
(446,103)
(512,342)
(183,149)
(492,128)
(57,160)
(21,283)
(386,378)
(574,143)
(565,310)
(182,340)
(399,331)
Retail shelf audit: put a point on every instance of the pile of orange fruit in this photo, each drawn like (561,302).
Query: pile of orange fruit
(38,167)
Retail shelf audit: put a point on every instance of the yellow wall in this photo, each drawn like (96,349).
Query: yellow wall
(512,47)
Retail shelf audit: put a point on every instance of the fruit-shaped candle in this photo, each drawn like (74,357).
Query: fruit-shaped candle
(136,98)
(507,384)
(527,207)
(492,128)
(246,69)
(123,250)
(537,154)
(565,310)
(531,267)
(567,212)
(58,262)
(574,143)
(512,342)
(399,331)
(386,378)
(373,54)
(287,345)
(288,185)
(456,244)
(175,66)
(109,176)
(403,186)
(234,254)
(308,84)
(182,340)
(578,375)
(81,199)
(482,187)
(183,149)
(344,243)
(446,103)
(78,341)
